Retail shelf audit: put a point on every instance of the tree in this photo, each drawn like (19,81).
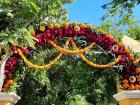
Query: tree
(120,6)
(120,13)
(18,17)
(127,25)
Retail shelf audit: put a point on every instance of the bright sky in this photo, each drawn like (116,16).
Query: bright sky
(90,11)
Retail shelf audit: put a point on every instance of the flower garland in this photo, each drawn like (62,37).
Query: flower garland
(93,64)
(62,50)
(78,51)
(47,66)
(48,34)
(110,65)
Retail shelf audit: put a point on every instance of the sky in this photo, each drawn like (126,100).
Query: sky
(90,11)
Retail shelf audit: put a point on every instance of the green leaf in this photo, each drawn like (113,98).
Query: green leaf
(11,40)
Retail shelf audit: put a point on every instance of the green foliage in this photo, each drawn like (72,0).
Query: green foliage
(29,9)
(77,100)
(110,27)
(134,32)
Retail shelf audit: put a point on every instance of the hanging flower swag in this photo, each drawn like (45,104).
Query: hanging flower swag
(48,34)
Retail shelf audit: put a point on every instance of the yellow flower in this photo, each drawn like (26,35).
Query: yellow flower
(32,32)
(74,24)
(120,44)
(57,26)
(89,26)
(110,36)
(82,25)
(15,43)
(2,56)
(42,28)
(36,66)
(65,24)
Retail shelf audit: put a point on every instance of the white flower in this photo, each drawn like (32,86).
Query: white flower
(132,79)
(115,47)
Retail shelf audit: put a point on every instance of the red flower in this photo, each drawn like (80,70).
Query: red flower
(25,50)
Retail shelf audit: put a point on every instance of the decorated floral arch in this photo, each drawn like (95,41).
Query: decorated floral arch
(48,34)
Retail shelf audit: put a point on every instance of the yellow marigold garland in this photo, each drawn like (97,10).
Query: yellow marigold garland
(100,66)
(78,51)
(47,66)
(93,64)
(63,51)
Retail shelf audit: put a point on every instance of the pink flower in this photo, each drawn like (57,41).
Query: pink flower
(59,32)
(14,49)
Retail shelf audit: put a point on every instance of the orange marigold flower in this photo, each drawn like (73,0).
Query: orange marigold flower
(137,70)
(131,56)
(50,26)
(125,81)
(120,44)
(74,24)
(125,86)
(127,50)
(136,87)
(10,81)
(110,36)
(6,85)
(131,87)
(4,89)
(136,62)
(32,32)
(82,25)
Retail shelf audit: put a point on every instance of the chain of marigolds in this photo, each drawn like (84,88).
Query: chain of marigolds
(110,65)
(78,51)
(47,66)
(93,64)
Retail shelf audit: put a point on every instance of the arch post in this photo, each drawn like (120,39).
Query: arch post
(128,97)
(9,98)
